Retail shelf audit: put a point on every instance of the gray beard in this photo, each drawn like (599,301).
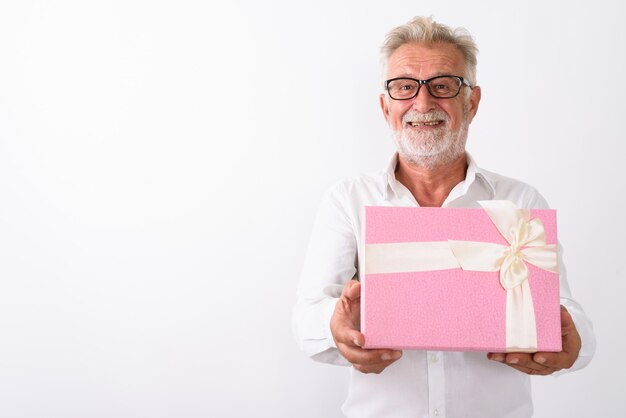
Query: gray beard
(431,149)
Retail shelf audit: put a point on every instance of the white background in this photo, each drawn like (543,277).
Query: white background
(161,163)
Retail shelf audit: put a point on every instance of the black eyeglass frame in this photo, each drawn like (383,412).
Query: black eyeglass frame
(463,81)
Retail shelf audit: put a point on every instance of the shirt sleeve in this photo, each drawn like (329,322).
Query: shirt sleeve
(330,262)
(581,320)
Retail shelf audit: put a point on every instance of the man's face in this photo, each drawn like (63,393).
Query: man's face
(429,131)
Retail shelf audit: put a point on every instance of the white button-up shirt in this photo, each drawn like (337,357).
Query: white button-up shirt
(422,383)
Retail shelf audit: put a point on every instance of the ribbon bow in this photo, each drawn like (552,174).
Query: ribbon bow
(527,243)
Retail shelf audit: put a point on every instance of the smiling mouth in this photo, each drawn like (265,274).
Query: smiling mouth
(426,123)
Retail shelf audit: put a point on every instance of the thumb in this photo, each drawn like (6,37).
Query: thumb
(566,321)
(352,290)
(570,337)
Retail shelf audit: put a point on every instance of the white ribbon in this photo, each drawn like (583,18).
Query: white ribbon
(527,244)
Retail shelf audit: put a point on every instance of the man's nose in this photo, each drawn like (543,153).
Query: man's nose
(423,102)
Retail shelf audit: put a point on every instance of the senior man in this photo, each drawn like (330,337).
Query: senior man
(430,99)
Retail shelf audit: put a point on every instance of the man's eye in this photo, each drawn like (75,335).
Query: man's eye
(407,87)
(440,87)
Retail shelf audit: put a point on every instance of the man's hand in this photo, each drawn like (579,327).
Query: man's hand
(546,363)
(345,324)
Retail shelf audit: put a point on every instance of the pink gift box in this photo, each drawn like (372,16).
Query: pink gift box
(453,308)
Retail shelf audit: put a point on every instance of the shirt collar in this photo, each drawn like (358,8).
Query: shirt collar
(390,177)
(473,172)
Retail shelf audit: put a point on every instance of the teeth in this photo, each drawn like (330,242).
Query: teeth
(425,123)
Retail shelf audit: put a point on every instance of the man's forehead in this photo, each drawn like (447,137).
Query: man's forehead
(437,59)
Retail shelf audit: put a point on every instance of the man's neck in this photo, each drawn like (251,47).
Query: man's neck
(431,186)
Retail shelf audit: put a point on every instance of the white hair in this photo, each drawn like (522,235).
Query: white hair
(424,30)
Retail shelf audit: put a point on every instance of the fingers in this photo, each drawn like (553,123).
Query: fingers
(543,363)
(554,361)
(532,371)
(526,363)
(376,367)
(344,323)
(349,342)
(540,363)
(570,342)
(345,332)
(369,361)
(521,361)
(344,326)
(570,346)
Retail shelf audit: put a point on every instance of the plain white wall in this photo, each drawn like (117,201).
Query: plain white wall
(161,163)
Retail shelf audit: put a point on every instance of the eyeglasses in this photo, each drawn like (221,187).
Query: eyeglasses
(441,87)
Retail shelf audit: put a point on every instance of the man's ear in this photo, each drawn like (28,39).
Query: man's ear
(384,106)
(474,101)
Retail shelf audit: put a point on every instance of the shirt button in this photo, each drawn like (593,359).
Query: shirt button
(434,358)
(436,412)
